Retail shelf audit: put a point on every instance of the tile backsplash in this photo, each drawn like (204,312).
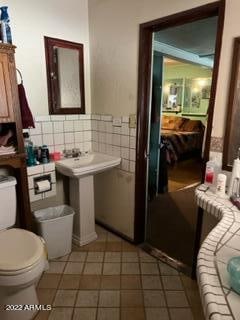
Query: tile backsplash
(100,133)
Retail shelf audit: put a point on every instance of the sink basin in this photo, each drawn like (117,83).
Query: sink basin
(81,171)
(87,165)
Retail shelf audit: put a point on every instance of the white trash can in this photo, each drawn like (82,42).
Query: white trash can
(55,225)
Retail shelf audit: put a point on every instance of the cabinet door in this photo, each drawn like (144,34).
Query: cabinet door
(6,101)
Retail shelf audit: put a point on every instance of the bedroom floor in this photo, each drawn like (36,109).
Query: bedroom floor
(184,173)
(111,279)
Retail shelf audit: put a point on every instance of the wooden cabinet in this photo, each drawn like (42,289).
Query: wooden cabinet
(7,85)
(10,115)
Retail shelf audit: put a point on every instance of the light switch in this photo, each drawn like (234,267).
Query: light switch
(132,121)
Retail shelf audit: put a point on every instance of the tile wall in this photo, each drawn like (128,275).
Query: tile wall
(102,133)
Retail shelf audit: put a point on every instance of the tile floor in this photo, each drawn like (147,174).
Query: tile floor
(111,279)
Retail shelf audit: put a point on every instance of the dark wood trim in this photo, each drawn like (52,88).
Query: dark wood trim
(53,84)
(144,74)
(232,93)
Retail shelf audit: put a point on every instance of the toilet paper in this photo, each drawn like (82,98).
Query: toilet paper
(43,185)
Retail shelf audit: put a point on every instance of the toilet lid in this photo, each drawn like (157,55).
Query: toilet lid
(19,249)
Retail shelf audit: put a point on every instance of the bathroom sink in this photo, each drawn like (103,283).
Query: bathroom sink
(89,164)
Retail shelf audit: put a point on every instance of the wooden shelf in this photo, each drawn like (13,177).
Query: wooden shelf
(15,160)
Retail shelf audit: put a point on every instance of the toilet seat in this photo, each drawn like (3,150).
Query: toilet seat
(19,251)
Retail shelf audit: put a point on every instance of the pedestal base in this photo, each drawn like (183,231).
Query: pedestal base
(82,201)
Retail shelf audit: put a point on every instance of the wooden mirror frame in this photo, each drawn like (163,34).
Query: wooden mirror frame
(52,83)
(233,109)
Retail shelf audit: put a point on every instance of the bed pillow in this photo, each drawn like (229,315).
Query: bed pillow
(192,126)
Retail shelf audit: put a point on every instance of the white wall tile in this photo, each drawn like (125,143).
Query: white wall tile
(58,138)
(85,116)
(48,139)
(133,132)
(87,125)
(109,127)
(34,170)
(116,139)
(58,126)
(108,138)
(102,126)
(102,147)
(42,118)
(34,197)
(125,153)
(102,137)
(117,130)
(59,148)
(94,125)
(95,136)
(72,117)
(68,126)
(96,117)
(109,149)
(69,138)
(87,146)
(125,119)
(132,155)
(125,129)
(78,125)
(95,146)
(47,127)
(132,142)
(51,193)
(49,167)
(125,141)
(37,140)
(125,165)
(69,146)
(87,135)
(132,165)
(116,151)
(58,118)
(37,129)
(78,136)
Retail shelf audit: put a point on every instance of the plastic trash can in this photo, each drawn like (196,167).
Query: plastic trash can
(55,225)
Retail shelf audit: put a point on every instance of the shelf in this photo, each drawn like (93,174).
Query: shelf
(15,160)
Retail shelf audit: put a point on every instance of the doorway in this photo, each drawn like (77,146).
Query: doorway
(167,220)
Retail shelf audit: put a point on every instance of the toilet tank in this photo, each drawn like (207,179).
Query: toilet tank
(8,201)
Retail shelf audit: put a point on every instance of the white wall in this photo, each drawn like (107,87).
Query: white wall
(30,22)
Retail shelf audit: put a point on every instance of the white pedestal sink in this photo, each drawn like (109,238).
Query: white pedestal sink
(81,171)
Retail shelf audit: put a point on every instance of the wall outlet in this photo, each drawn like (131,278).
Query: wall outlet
(132,121)
(117,121)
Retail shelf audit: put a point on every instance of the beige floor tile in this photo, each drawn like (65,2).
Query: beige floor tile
(74,268)
(65,298)
(126,246)
(61,314)
(193,297)
(188,283)
(93,268)
(108,314)
(49,281)
(111,268)
(180,314)
(42,315)
(149,268)
(198,313)
(151,282)
(131,298)
(130,268)
(172,283)
(88,282)
(166,270)
(110,282)
(132,314)
(112,257)
(84,313)
(109,298)
(95,256)
(154,298)
(78,256)
(176,299)
(145,257)
(46,296)
(102,237)
(113,246)
(56,267)
(157,314)
(130,282)
(130,256)
(95,246)
(69,281)
(87,298)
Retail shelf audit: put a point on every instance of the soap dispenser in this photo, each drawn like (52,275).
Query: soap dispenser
(235,175)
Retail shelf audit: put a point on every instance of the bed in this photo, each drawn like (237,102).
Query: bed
(181,137)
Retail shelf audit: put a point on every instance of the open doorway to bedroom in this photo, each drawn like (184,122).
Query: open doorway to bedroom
(174,130)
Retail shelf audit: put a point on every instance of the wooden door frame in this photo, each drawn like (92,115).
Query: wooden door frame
(144,74)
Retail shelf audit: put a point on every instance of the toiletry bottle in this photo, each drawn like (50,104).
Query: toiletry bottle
(45,154)
(5,21)
(210,173)
(221,184)
(29,150)
(235,175)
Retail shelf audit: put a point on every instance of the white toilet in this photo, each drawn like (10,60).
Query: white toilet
(22,259)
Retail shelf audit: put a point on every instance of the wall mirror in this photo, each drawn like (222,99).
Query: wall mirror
(232,134)
(65,76)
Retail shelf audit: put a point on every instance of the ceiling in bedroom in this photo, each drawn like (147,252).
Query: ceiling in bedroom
(197,37)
